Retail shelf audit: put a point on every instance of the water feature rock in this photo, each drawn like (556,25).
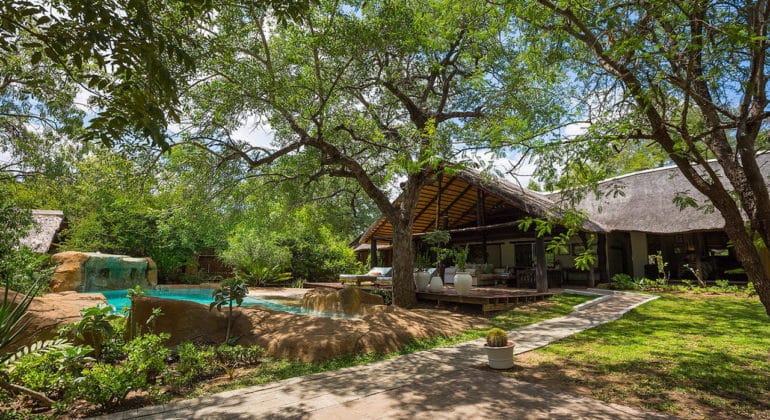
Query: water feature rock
(46,314)
(349,301)
(302,337)
(93,271)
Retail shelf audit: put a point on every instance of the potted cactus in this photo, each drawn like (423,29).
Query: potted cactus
(499,349)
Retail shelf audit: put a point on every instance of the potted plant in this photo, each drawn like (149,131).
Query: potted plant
(499,349)
(463,280)
(436,240)
(422,276)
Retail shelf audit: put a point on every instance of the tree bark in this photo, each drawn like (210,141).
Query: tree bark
(403,265)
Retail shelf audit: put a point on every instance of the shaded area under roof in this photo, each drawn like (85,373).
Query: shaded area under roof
(451,203)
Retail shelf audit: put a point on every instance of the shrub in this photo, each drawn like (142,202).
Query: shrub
(53,371)
(194,363)
(230,357)
(96,328)
(108,385)
(146,356)
(622,281)
(24,267)
(387,295)
(256,259)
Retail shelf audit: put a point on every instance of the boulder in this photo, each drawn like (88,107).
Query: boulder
(46,314)
(304,337)
(89,271)
(349,301)
(68,274)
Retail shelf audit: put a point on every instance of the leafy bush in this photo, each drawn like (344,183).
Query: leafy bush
(108,385)
(230,357)
(24,267)
(622,281)
(194,363)
(256,259)
(51,371)
(96,328)
(146,356)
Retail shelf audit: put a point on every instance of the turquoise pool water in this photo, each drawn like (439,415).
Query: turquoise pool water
(119,300)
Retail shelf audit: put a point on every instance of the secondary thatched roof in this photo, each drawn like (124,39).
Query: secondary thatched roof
(46,223)
(644,202)
(453,199)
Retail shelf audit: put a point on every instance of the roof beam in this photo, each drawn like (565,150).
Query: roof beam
(424,209)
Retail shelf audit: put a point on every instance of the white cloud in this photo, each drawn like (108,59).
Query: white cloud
(255,133)
(575,129)
(81,100)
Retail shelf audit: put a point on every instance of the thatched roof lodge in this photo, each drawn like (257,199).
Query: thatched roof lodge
(46,224)
(634,217)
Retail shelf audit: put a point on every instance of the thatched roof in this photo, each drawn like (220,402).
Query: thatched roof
(644,202)
(46,223)
(453,198)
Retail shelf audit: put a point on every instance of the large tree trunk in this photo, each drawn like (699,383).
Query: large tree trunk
(748,255)
(403,265)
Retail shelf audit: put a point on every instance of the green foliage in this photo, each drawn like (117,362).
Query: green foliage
(146,356)
(256,259)
(194,363)
(50,368)
(24,268)
(108,385)
(95,328)
(13,309)
(461,257)
(622,281)
(496,337)
(230,291)
(229,357)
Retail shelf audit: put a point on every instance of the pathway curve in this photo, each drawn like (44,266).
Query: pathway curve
(445,383)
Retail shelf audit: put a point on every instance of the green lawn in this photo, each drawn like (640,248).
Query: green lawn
(274,370)
(701,356)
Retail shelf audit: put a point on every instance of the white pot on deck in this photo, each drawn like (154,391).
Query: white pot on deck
(500,357)
(463,283)
(421,280)
(436,285)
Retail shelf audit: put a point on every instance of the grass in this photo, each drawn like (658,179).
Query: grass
(275,370)
(693,356)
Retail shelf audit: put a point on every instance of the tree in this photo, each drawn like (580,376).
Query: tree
(690,76)
(230,291)
(374,92)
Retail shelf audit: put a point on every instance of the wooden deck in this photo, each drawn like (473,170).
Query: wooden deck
(488,299)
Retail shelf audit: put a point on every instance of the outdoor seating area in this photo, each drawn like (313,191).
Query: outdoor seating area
(377,275)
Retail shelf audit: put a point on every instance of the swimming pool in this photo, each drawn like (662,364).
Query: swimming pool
(118,299)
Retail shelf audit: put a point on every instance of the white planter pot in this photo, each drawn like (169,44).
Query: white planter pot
(436,285)
(500,357)
(463,283)
(421,280)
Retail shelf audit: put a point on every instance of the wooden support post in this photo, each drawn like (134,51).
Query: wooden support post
(438,201)
(541,274)
(601,250)
(699,245)
(373,253)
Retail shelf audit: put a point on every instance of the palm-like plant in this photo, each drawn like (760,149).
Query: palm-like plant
(232,290)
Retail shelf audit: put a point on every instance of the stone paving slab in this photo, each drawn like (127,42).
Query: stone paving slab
(444,383)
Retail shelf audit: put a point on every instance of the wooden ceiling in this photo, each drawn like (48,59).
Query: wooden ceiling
(455,202)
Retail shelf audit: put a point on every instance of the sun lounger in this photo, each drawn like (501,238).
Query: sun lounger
(376,274)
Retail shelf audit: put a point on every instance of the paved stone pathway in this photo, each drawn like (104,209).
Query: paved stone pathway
(444,383)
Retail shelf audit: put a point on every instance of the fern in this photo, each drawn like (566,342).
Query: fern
(38,347)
